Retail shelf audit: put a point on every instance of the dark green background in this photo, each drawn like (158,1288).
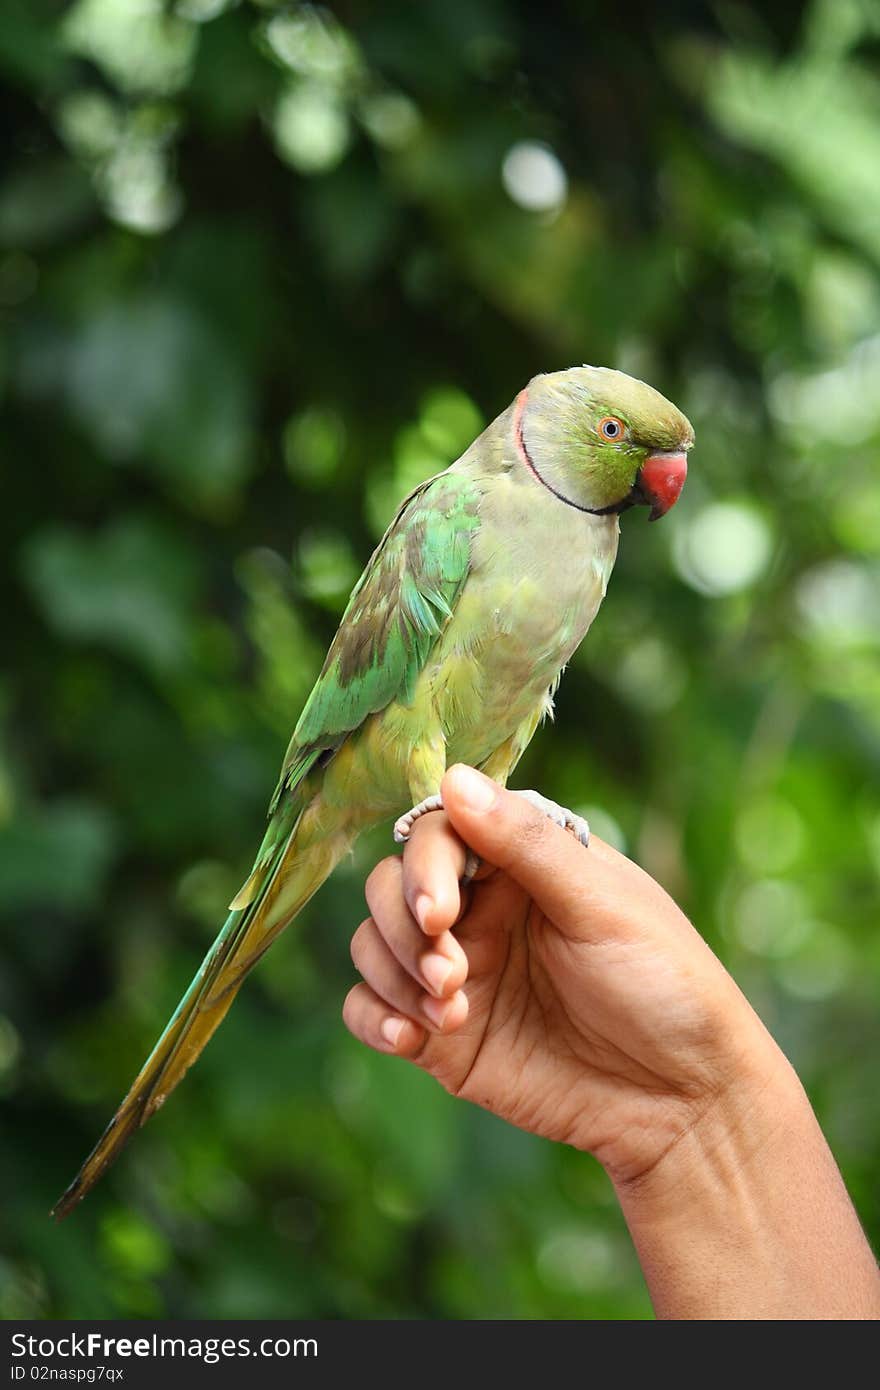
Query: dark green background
(260,272)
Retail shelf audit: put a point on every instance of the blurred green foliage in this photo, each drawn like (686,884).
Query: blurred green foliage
(263,267)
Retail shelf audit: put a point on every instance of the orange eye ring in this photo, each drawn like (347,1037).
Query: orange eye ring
(611,428)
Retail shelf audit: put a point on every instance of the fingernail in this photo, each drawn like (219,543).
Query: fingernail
(424,903)
(476,791)
(436,1010)
(391,1030)
(436,970)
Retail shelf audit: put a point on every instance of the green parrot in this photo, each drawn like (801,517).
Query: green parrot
(449,650)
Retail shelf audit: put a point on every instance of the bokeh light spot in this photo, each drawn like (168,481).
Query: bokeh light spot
(725,548)
(577,1260)
(311,128)
(138,43)
(313,445)
(838,603)
(312,42)
(772,917)
(534,177)
(391,119)
(651,674)
(328,566)
(769,835)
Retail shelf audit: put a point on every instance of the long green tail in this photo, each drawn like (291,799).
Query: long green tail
(297,868)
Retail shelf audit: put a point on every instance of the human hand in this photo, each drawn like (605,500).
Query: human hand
(564,990)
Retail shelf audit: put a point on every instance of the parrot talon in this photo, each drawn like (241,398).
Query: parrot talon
(403,829)
(404,824)
(559,815)
(471,867)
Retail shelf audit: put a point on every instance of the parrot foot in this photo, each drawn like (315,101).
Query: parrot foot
(559,815)
(404,824)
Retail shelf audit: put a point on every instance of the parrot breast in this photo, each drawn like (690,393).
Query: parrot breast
(539,571)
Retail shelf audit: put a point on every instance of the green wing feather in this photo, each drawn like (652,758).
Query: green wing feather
(396,612)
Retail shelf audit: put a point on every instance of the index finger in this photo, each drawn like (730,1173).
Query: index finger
(433,863)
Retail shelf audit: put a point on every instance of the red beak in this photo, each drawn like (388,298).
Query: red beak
(661,479)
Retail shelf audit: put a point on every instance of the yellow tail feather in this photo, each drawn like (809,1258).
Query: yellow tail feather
(301,866)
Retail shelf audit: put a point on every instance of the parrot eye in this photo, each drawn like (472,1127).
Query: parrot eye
(610,427)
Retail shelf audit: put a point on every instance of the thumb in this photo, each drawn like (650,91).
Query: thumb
(505,830)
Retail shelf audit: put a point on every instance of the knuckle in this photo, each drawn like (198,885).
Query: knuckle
(359,941)
(350,1006)
(459,974)
(383,877)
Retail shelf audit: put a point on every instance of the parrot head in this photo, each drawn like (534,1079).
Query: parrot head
(602,441)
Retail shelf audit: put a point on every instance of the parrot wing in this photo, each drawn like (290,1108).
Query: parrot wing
(396,612)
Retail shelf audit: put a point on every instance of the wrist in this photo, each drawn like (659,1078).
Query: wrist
(724,1138)
(746,1216)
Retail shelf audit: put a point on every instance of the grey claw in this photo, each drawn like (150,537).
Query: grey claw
(560,815)
(404,824)
(403,829)
(471,865)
